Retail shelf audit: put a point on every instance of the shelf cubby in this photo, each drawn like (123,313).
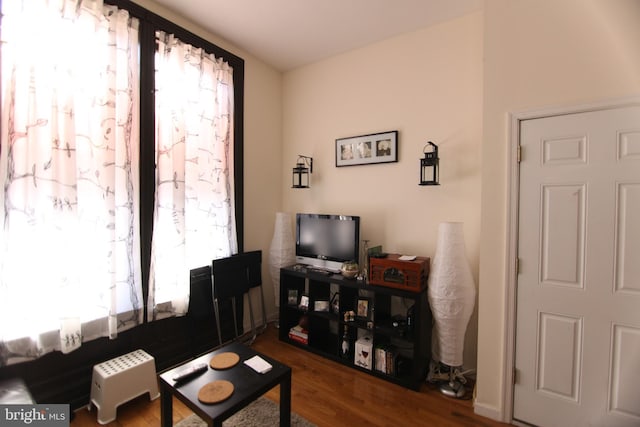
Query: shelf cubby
(410,344)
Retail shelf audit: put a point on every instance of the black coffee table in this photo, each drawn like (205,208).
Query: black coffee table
(248,386)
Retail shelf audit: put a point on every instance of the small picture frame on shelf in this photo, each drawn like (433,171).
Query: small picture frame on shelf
(321,305)
(335,303)
(292,297)
(369,324)
(304,303)
(363,308)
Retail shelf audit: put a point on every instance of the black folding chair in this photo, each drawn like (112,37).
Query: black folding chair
(230,282)
(253,263)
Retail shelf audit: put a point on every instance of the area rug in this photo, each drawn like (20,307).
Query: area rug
(261,413)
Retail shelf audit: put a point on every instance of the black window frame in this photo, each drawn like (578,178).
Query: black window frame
(149,24)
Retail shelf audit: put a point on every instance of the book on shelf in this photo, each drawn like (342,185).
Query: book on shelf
(381,360)
(298,339)
(385,359)
(299,331)
(299,334)
(391,362)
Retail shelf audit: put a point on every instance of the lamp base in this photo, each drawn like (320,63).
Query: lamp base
(453,389)
(438,372)
(450,380)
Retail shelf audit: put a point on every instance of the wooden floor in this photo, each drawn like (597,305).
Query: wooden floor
(327,394)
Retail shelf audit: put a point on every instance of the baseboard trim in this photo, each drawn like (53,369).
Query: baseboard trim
(488,411)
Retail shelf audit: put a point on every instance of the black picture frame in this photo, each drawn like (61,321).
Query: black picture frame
(335,303)
(304,303)
(321,305)
(292,297)
(367,149)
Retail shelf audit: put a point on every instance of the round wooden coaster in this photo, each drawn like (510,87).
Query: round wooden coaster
(224,360)
(215,391)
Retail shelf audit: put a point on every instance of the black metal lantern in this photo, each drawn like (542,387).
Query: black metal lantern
(429,173)
(302,173)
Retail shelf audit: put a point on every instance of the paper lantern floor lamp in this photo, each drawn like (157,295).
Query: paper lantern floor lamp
(452,295)
(282,250)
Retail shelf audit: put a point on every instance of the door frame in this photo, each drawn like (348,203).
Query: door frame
(513,198)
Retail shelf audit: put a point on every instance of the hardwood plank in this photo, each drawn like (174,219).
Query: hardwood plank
(327,394)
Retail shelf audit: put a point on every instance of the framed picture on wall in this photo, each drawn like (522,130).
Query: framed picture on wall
(367,149)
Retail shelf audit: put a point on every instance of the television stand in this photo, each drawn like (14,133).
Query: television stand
(314,269)
(319,271)
(396,325)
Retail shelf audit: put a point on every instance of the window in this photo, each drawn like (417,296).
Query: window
(193,221)
(86,226)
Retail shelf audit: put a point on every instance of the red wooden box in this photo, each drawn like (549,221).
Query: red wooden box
(394,273)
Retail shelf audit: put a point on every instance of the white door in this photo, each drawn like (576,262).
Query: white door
(578,292)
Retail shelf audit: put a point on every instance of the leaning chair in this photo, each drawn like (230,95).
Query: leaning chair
(253,262)
(201,314)
(230,282)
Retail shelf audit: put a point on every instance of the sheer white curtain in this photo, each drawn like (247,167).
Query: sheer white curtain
(69,241)
(194,220)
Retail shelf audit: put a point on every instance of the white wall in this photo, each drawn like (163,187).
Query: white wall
(428,86)
(537,53)
(453,84)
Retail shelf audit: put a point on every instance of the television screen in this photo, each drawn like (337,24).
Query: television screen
(326,241)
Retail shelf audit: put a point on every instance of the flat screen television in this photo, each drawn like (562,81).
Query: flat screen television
(326,241)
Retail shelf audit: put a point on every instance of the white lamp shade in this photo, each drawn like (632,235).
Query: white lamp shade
(282,250)
(452,294)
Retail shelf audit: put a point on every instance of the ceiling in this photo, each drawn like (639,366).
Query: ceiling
(287,34)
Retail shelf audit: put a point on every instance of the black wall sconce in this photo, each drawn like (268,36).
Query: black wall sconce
(302,173)
(429,173)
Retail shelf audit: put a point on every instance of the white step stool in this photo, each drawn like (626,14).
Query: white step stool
(119,380)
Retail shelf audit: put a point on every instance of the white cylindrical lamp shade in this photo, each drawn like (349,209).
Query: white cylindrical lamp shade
(452,294)
(282,250)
